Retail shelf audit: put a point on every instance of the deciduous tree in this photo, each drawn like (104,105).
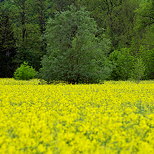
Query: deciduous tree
(75,54)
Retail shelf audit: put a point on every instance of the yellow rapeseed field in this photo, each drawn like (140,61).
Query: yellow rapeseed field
(110,118)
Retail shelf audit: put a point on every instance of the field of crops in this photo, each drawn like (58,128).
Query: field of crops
(115,117)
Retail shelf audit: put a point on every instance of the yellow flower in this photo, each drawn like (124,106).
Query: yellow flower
(115,117)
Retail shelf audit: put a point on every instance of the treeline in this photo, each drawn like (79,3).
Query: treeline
(78,41)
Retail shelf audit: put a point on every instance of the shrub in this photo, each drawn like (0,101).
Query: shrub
(25,72)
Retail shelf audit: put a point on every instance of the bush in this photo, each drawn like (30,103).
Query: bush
(25,72)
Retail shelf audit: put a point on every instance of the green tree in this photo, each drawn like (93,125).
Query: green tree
(144,26)
(42,9)
(27,32)
(116,17)
(148,59)
(75,54)
(123,63)
(7,44)
(63,5)
(138,71)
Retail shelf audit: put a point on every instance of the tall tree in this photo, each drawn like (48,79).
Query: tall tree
(42,10)
(26,31)
(116,17)
(7,44)
(75,54)
(144,26)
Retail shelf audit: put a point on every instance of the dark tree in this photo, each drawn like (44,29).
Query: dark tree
(7,46)
(62,5)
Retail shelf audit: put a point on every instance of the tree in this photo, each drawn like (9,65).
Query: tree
(75,54)
(116,17)
(138,70)
(148,60)
(7,44)
(62,5)
(144,26)
(123,63)
(27,32)
(42,9)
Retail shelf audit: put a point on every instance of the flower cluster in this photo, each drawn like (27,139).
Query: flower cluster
(115,117)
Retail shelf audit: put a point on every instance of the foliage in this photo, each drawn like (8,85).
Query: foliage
(27,31)
(105,118)
(7,44)
(127,23)
(148,59)
(144,26)
(75,54)
(63,5)
(145,14)
(116,16)
(123,64)
(25,72)
(138,71)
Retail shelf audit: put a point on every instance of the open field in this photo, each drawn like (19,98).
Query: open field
(115,117)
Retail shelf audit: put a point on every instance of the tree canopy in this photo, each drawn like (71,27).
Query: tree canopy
(74,53)
(35,30)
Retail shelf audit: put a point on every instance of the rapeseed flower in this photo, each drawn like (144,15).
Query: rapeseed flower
(115,117)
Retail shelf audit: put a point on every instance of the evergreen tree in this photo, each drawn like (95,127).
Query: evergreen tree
(7,44)
(42,9)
